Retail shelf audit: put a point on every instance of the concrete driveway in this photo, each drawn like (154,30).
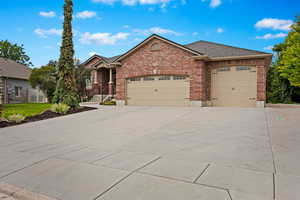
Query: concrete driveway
(157,153)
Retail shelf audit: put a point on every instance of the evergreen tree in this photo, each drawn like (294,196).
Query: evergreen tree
(66,91)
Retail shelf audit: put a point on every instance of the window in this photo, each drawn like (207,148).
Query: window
(179,77)
(149,78)
(135,79)
(164,78)
(241,68)
(223,69)
(18,91)
(155,47)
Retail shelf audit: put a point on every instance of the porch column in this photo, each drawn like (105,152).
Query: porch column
(110,83)
(96,76)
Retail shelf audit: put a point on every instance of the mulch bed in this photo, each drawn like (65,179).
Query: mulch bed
(45,115)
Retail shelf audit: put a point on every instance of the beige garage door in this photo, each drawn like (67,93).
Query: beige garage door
(158,91)
(234,86)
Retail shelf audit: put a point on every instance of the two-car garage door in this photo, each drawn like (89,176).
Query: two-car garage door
(164,90)
(234,86)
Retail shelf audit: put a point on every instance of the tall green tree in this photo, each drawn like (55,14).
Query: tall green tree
(289,55)
(14,52)
(66,91)
(45,78)
(283,85)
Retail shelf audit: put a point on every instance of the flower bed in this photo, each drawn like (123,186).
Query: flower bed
(44,115)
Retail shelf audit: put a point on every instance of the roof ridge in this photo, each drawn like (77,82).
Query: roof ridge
(225,45)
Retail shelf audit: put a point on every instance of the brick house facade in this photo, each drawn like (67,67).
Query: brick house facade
(159,56)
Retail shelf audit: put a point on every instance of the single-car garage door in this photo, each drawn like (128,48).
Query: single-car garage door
(164,90)
(234,86)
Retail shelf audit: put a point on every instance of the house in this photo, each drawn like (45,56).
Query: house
(14,84)
(160,72)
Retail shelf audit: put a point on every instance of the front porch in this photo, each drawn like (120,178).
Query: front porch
(102,83)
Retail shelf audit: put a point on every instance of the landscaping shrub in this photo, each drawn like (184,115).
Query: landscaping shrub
(60,108)
(18,118)
(108,103)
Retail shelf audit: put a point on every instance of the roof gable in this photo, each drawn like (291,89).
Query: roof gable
(159,38)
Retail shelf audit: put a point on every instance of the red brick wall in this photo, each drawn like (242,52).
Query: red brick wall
(261,65)
(170,60)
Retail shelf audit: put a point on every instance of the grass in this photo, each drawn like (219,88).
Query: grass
(28,109)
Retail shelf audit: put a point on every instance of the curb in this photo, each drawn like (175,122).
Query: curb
(21,193)
(283,105)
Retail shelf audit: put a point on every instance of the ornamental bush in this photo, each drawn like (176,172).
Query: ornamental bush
(60,108)
(17,118)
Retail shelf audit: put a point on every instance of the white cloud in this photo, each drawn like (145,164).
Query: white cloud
(275,24)
(157,30)
(105,1)
(271,36)
(133,2)
(45,33)
(102,38)
(129,2)
(220,30)
(215,3)
(125,26)
(268,47)
(49,14)
(153,1)
(86,14)
(92,53)
(195,33)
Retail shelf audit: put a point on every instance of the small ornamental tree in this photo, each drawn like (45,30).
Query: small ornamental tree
(45,78)
(66,91)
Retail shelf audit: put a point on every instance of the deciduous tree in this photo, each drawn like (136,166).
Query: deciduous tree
(14,52)
(45,78)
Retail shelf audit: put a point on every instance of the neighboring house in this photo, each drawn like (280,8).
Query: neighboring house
(160,72)
(14,84)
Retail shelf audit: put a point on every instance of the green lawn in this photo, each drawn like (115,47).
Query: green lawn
(28,109)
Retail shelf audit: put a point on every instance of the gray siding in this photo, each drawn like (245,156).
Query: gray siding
(27,93)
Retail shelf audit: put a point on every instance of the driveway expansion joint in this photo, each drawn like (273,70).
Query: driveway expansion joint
(270,140)
(125,177)
(18,170)
(229,194)
(183,181)
(197,178)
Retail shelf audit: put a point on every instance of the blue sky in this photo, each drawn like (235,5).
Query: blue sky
(111,27)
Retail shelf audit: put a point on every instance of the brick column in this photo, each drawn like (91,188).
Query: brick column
(261,86)
(198,94)
(203,82)
(261,83)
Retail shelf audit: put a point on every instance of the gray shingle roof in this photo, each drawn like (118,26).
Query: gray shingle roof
(111,59)
(220,50)
(12,69)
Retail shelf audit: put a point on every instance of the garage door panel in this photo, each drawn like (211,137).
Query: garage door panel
(158,92)
(234,87)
